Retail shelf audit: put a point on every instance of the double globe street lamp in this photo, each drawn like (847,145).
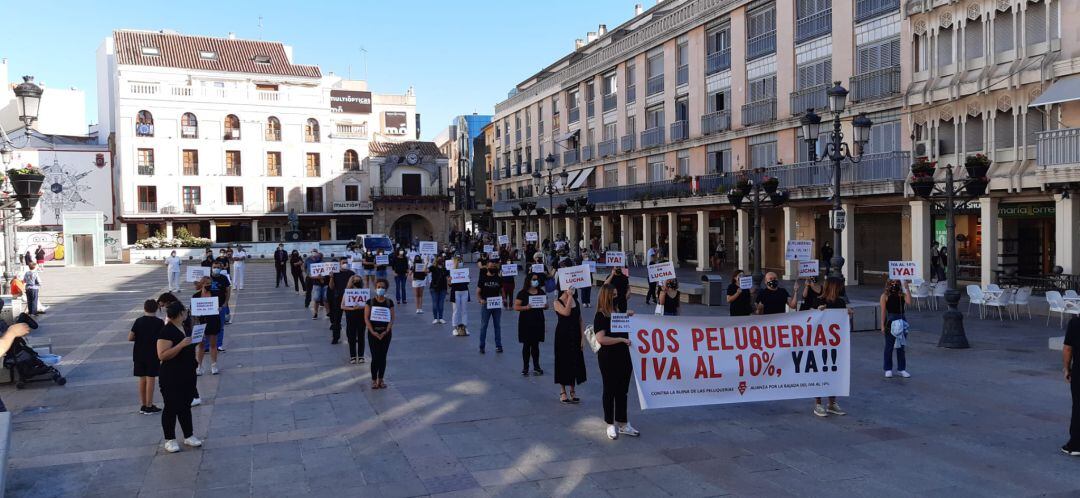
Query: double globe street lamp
(760,189)
(22,191)
(578,206)
(463,194)
(550,188)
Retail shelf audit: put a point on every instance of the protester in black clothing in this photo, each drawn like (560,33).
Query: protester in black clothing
(616,368)
(419,272)
(177,378)
(1071,366)
(400,263)
(738,299)
(439,281)
(531,325)
(832,297)
(620,283)
(281,263)
(354,322)
(379,332)
(488,286)
(810,294)
(669,298)
(338,282)
(213,325)
(771,299)
(223,259)
(187,325)
(208,260)
(569,346)
(826,253)
(893,301)
(28,258)
(144,333)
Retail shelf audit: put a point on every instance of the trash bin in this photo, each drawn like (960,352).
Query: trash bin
(713,290)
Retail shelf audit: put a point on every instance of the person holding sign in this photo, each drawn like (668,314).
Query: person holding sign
(620,284)
(382,260)
(531,325)
(771,299)
(187,325)
(508,282)
(459,298)
(176,376)
(489,285)
(669,298)
(379,318)
(893,301)
(832,297)
(296,265)
(440,279)
(569,346)
(419,280)
(205,289)
(738,298)
(369,269)
(338,281)
(354,319)
(400,264)
(811,294)
(615,365)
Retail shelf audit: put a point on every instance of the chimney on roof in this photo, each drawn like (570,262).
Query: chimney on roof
(591,37)
(231,35)
(578,43)
(638,9)
(602,30)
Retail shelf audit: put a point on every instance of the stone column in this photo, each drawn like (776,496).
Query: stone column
(703,241)
(791,268)
(673,237)
(213,231)
(922,237)
(647,234)
(572,233)
(255,231)
(1066,221)
(586,231)
(743,240)
(123,235)
(605,232)
(333,229)
(626,241)
(847,241)
(991,231)
(369,221)
(168,229)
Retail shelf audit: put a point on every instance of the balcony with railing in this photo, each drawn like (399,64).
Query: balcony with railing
(664,189)
(682,75)
(813,26)
(590,108)
(631,94)
(296,96)
(608,148)
(610,101)
(758,112)
(875,84)
(761,45)
(147,207)
(575,114)
(718,61)
(570,158)
(586,152)
(869,9)
(1058,148)
(146,169)
(391,192)
(654,85)
(715,122)
(809,98)
(275,207)
(627,143)
(652,137)
(343,130)
(680,130)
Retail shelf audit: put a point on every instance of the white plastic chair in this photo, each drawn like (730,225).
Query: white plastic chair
(1071,294)
(975,296)
(1061,306)
(993,287)
(921,294)
(1022,298)
(998,300)
(939,292)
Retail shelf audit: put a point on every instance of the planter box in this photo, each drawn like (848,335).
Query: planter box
(976,188)
(922,188)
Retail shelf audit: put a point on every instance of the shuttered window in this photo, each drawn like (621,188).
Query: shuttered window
(814,74)
(946,138)
(761,22)
(762,150)
(973,134)
(973,39)
(719,100)
(880,55)
(807,8)
(718,40)
(719,157)
(1035,123)
(802,151)
(945,47)
(884,136)
(1003,32)
(1035,23)
(1003,129)
(763,88)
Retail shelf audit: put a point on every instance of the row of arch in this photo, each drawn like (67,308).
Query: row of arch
(189,127)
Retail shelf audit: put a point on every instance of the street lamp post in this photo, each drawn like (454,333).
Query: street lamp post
(578,206)
(760,189)
(549,188)
(836,150)
(14,203)
(462,193)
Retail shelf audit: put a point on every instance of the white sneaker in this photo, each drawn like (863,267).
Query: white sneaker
(612,433)
(834,409)
(905,374)
(213,369)
(435,321)
(172,446)
(820,411)
(198,370)
(888,374)
(442,321)
(193,441)
(629,430)
(196,402)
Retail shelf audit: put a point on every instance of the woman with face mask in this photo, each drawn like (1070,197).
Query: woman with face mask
(893,300)
(738,299)
(213,326)
(354,323)
(296,266)
(379,331)
(172,267)
(811,294)
(569,346)
(177,378)
(439,281)
(530,324)
(380,270)
(402,266)
(460,299)
(419,273)
(832,297)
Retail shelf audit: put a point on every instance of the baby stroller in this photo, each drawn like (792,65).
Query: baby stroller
(24,363)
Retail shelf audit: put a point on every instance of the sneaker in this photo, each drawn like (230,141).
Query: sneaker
(538,371)
(359,360)
(905,374)
(498,349)
(1069,451)
(834,409)
(221,349)
(419,311)
(612,433)
(888,374)
(442,321)
(314,317)
(153,409)
(524,372)
(196,402)
(481,350)
(145,410)
(629,430)
(352,361)
(820,411)
(172,446)
(193,441)
(213,369)
(198,370)
(435,321)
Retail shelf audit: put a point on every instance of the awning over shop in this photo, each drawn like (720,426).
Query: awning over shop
(1066,89)
(581,178)
(567,136)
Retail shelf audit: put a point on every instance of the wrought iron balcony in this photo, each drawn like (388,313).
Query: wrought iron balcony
(1058,148)
(813,26)
(570,157)
(652,137)
(716,122)
(147,207)
(586,152)
(869,9)
(274,207)
(383,192)
(575,114)
(758,112)
(628,143)
(761,45)
(608,148)
(682,75)
(610,101)
(655,85)
(809,98)
(146,169)
(875,84)
(718,61)
(665,189)
(680,130)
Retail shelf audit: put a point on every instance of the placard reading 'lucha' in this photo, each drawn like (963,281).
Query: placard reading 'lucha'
(689,361)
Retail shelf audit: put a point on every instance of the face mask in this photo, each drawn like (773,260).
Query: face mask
(772,284)
(381,291)
(216,271)
(535,283)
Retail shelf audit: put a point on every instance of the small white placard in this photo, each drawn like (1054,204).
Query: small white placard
(493,255)
(509,270)
(419,283)
(746,282)
(380,314)
(504,239)
(429,248)
(323,269)
(488,248)
(420,267)
(661,272)
(531,236)
(538,301)
(620,323)
(204,306)
(382,259)
(537,268)
(195,273)
(808,268)
(197,333)
(494,303)
(449,264)
(591,264)
(903,270)
(615,258)
(798,250)
(574,277)
(354,297)
(459,276)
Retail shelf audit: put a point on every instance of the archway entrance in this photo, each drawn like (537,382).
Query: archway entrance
(411,228)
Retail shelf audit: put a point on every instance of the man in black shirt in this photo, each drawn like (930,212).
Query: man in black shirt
(621,283)
(144,335)
(400,263)
(338,282)
(281,261)
(490,286)
(771,299)
(1071,367)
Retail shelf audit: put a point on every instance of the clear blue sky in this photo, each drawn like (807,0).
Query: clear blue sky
(460,56)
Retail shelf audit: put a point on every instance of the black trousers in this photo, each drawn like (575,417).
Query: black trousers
(615,370)
(177,408)
(354,330)
(530,349)
(298,280)
(379,349)
(280,275)
(651,296)
(307,293)
(1074,425)
(620,304)
(334,306)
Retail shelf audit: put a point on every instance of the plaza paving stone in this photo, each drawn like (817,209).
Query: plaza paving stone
(288,416)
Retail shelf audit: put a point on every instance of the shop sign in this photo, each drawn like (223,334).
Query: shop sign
(1027,210)
(352,205)
(350,102)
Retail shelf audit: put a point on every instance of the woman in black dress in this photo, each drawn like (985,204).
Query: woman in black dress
(354,323)
(177,378)
(296,266)
(832,297)
(530,324)
(569,346)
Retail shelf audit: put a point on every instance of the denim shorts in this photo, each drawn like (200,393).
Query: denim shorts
(318,293)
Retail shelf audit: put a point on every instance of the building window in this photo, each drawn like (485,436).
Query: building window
(191,162)
(946,132)
(273,164)
(611,175)
(147,199)
(189,126)
(973,39)
(234,196)
(656,171)
(1004,133)
(275,199)
(682,163)
(351,161)
(144,124)
(273,129)
(314,200)
(232,163)
(311,130)
(631,90)
(232,127)
(762,149)
(945,47)
(1034,124)
(761,32)
(192,197)
(572,103)
(352,192)
(718,50)
(1003,32)
(146,161)
(719,157)
(631,172)
(313,165)
(654,70)
(682,64)
(973,134)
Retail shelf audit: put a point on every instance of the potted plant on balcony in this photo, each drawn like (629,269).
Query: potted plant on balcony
(922,177)
(743,186)
(681,179)
(770,184)
(735,197)
(976,185)
(561,209)
(977,165)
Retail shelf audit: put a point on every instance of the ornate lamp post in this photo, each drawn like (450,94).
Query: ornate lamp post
(836,150)
(21,192)
(579,205)
(550,188)
(760,189)
(462,193)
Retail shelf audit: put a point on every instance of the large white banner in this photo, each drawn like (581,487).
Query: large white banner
(691,360)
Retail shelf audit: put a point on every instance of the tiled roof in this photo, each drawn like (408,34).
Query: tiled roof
(183,51)
(385,149)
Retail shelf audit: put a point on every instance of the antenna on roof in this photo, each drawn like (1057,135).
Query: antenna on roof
(260,27)
(363,60)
